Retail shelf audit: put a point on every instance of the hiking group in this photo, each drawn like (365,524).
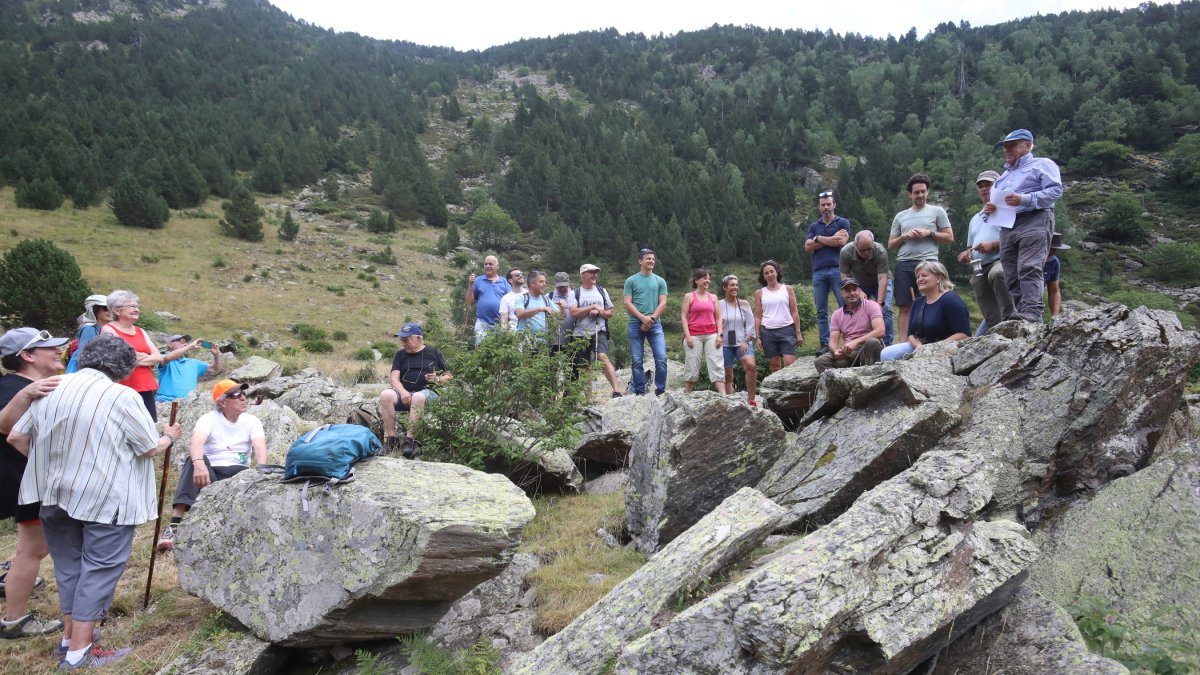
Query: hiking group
(76,450)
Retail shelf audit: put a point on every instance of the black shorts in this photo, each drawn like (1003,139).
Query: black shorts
(905,290)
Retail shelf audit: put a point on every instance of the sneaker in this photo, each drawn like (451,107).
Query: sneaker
(37,583)
(390,445)
(95,657)
(6,565)
(616,394)
(753,404)
(29,625)
(61,650)
(167,541)
(410,448)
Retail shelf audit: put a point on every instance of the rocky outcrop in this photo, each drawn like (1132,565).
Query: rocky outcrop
(228,654)
(1029,637)
(500,610)
(381,556)
(789,392)
(1136,545)
(881,418)
(613,426)
(590,642)
(257,369)
(700,449)
(531,466)
(311,395)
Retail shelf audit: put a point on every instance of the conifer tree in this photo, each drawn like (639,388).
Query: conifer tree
(288,229)
(376,222)
(135,205)
(268,175)
(243,217)
(41,286)
(332,189)
(40,193)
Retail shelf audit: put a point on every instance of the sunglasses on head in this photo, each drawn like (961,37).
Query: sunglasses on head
(768,261)
(42,335)
(824,194)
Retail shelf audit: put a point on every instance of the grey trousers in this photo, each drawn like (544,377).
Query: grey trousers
(1023,252)
(88,561)
(991,290)
(867,354)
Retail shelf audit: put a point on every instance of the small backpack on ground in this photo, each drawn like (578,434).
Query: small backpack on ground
(327,454)
(367,415)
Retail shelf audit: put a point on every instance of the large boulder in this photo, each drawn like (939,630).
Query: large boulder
(257,369)
(789,392)
(382,556)
(883,418)
(1029,637)
(500,610)
(590,642)
(228,654)
(610,431)
(532,466)
(311,395)
(700,449)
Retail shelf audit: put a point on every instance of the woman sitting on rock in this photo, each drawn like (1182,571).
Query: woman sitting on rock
(220,447)
(939,315)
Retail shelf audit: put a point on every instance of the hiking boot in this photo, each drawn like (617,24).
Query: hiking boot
(167,541)
(616,394)
(410,448)
(61,650)
(29,625)
(390,445)
(822,350)
(95,657)
(37,583)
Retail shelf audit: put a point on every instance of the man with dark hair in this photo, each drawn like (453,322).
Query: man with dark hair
(856,332)
(512,299)
(824,241)
(646,300)
(1032,186)
(32,358)
(916,231)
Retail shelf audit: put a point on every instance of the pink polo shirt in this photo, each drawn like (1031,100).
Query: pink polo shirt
(854,326)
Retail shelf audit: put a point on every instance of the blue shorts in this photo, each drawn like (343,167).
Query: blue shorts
(430,395)
(779,341)
(731,353)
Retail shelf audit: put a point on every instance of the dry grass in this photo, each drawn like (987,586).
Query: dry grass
(158,634)
(579,568)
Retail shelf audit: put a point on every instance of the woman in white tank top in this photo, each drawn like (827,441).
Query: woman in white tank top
(776,320)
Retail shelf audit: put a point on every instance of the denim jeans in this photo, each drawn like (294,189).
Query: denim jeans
(896,351)
(658,346)
(872,292)
(825,280)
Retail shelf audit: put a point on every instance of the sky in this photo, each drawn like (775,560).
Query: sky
(472,24)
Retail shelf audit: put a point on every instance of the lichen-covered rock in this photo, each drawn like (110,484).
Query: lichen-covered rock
(533,467)
(381,556)
(1135,544)
(257,369)
(1031,636)
(592,640)
(606,484)
(611,429)
(499,610)
(701,449)
(789,392)
(879,589)
(884,417)
(281,425)
(238,654)
(311,395)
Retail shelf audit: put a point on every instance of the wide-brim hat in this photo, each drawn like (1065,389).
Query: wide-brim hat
(1056,242)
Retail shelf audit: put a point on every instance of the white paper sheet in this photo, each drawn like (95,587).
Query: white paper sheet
(1004,215)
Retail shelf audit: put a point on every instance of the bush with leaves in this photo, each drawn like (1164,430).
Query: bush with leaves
(504,378)
(41,286)
(243,216)
(136,205)
(492,229)
(1102,156)
(1177,264)
(1122,221)
(1184,161)
(40,193)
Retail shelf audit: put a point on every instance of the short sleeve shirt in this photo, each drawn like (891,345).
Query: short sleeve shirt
(825,256)
(229,443)
(978,232)
(644,289)
(487,298)
(588,297)
(414,367)
(932,218)
(178,378)
(537,322)
(853,325)
(1052,270)
(865,271)
(12,462)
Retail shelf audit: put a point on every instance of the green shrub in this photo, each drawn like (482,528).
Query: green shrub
(1122,221)
(41,286)
(363,354)
(308,332)
(150,259)
(1169,651)
(218,261)
(1101,156)
(339,335)
(1177,264)
(317,346)
(149,321)
(388,349)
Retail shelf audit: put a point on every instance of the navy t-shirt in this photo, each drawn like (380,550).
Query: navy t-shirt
(827,256)
(414,367)
(12,462)
(1051,270)
(936,322)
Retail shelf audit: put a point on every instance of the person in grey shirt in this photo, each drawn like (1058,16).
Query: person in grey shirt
(916,231)
(866,260)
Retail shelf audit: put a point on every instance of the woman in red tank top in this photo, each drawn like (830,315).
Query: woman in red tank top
(701,319)
(125,311)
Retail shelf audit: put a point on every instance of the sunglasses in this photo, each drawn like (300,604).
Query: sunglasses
(41,336)
(235,394)
(768,261)
(824,194)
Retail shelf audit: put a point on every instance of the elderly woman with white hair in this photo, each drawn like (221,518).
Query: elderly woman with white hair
(938,315)
(221,446)
(125,310)
(95,316)
(90,444)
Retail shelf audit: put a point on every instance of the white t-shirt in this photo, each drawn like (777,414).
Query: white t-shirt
(228,443)
(508,307)
(587,325)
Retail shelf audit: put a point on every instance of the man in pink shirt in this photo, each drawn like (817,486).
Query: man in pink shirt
(855,331)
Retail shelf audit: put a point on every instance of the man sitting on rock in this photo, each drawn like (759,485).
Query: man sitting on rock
(178,374)
(220,448)
(415,368)
(860,323)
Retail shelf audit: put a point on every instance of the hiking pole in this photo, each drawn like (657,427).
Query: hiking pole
(162,493)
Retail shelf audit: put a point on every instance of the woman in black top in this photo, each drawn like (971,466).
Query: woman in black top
(938,315)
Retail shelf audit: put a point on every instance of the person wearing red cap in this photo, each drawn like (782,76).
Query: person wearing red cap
(221,445)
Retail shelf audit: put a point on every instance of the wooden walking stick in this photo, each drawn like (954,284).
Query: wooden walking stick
(162,493)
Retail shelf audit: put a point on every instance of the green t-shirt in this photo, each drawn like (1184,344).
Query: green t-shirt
(645,289)
(932,218)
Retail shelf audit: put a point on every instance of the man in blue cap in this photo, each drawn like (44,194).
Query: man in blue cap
(415,369)
(1034,186)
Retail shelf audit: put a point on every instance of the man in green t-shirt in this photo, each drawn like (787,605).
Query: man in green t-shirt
(646,300)
(916,231)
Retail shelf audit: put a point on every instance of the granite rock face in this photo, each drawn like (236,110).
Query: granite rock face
(499,610)
(382,556)
(700,449)
(228,655)
(591,641)
(311,395)
(533,467)
(789,392)
(257,369)
(609,437)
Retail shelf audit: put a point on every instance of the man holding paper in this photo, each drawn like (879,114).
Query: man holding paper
(1030,186)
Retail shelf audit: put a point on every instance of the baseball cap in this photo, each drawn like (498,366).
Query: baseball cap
(1017,135)
(588,267)
(185,337)
(224,387)
(851,282)
(410,329)
(19,339)
(989,175)
(561,279)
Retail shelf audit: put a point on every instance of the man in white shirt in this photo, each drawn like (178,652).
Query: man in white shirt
(512,299)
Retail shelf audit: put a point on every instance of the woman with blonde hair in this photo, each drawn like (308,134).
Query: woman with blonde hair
(937,315)
(125,310)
